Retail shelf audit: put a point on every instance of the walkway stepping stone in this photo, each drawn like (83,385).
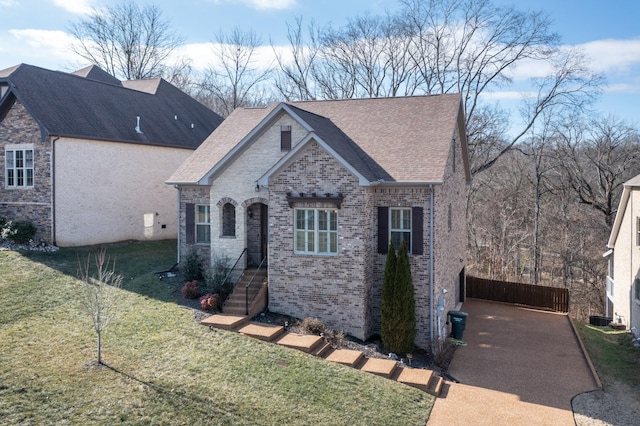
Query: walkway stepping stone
(225,322)
(322,350)
(266,332)
(424,380)
(380,367)
(348,357)
(301,342)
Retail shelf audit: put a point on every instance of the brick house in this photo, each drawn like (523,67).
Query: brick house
(623,277)
(319,188)
(85,156)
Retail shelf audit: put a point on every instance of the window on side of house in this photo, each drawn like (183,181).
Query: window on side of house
(638,231)
(203,224)
(19,168)
(636,290)
(316,231)
(400,226)
(228,220)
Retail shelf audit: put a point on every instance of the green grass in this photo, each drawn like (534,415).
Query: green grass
(612,354)
(163,367)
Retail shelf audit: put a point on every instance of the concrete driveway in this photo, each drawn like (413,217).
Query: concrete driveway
(520,367)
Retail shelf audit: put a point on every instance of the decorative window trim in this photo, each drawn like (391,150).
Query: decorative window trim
(19,170)
(313,197)
(313,233)
(638,230)
(202,222)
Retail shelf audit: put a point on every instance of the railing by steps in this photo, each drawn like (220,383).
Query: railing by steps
(246,288)
(234,274)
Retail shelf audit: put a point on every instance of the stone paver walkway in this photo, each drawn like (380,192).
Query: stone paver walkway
(425,380)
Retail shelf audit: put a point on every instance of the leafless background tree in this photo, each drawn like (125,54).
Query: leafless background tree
(126,40)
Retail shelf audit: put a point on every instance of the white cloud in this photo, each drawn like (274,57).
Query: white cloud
(265,4)
(48,49)
(203,57)
(613,55)
(270,4)
(79,7)
(8,3)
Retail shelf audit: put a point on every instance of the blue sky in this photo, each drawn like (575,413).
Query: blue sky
(34,32)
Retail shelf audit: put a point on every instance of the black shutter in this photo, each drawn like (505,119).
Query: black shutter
(383,230)
(190,222)
(285,138)
(417,230)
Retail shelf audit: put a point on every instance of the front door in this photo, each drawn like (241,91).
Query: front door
(257,220)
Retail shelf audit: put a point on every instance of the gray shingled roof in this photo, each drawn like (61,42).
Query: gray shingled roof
(343,146)
(409,137)
(90,105)
(403,139)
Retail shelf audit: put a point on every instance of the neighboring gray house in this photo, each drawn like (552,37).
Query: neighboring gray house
(623,278)
(318,189)
(85,156)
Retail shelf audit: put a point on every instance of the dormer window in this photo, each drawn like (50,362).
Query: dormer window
(285,138)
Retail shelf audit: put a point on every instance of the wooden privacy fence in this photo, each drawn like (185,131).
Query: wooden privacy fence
(556,299)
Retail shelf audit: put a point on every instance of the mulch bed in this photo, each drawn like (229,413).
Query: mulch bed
(371,348)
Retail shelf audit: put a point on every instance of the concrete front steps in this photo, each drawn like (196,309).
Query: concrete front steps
(250,288)
(425,380)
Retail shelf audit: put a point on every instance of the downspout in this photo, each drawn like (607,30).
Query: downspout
(179,221)
(431,289)
(53,189)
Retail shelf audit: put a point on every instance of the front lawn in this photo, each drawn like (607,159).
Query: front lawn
(163,367)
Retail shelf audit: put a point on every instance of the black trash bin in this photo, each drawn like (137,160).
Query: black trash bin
(458,321)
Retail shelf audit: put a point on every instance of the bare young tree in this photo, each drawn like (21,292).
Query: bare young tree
(127,41)
(99,292)
(235,78)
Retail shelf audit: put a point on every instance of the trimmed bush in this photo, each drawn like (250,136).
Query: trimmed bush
(192,268)
(191,289)
(18,231)
(210,302)
(316,327)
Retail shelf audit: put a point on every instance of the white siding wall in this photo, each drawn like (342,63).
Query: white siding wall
(627,265)
(108,192)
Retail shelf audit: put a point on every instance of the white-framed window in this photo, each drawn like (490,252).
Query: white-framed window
(203,224)
(400,226)
(316,231)
(19,168)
